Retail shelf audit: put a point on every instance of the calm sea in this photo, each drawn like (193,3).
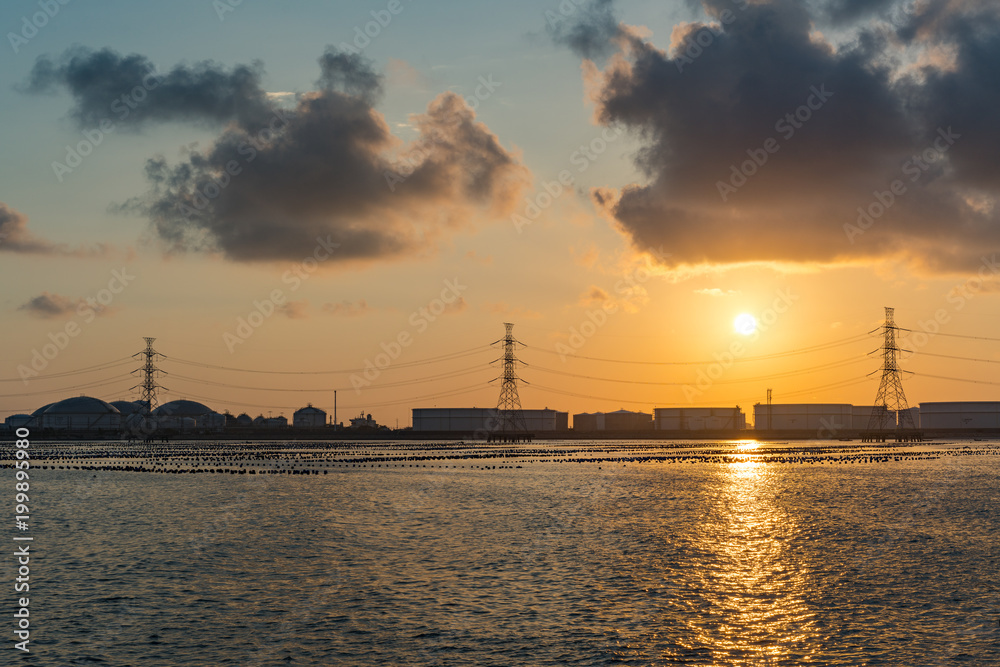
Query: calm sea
(554,554)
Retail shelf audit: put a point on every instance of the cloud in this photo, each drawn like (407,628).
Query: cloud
(594,296)
(401,73)
(846,11)
(715,291)
(326,170)
(130,92)
(586,28)
(295,310)
(457,306)
(16,238)
(348,308)
(48,306)
(764,143)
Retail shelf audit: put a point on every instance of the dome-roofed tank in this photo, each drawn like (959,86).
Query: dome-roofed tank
(80,412)
(182,408)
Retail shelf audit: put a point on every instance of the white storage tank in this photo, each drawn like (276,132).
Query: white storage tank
(960,415)
(803,417)
(477,419)
(696,419)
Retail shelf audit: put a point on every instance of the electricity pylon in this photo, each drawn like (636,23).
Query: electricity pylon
(508,424)
(890,408)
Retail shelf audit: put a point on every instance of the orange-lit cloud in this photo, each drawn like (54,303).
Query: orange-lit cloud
(51,306)
(15,237)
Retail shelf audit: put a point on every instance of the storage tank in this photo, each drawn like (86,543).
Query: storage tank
(804,416)
(960,415)
(695,419)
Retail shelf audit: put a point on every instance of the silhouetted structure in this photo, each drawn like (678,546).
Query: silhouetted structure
(149,374)
(890,399)
(508,425)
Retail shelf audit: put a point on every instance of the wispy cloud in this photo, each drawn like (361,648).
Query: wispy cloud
(16,238)
(48,305)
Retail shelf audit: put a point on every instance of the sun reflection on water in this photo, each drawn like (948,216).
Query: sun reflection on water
(755,597)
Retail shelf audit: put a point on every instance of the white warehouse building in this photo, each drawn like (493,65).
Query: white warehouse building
(482,419)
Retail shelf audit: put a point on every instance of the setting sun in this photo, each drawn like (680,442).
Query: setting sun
(745,324)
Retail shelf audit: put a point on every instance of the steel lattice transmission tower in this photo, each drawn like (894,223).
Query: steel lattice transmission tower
(150,372)
(891,409)
(508,424)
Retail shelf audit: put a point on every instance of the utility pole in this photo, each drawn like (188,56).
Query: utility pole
(768,409)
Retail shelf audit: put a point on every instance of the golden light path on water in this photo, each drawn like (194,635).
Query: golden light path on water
(758,595)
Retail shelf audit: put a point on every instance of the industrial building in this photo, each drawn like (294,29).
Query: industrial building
(699,419)
(184,415)
(620,420)
(861,416)
(960,415)
(260,421)
(832,417)
(309,417)
(470,420)
(80,413)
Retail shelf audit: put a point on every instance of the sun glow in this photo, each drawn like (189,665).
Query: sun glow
(745,323)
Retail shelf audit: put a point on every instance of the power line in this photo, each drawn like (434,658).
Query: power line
(90,385)
(949,356)
(90,369)
(452,392)
(776,355)
(951,335)
(408,364)
(834,364)
(386,385)
(942,377)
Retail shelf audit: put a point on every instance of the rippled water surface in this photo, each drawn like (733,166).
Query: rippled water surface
(724,554)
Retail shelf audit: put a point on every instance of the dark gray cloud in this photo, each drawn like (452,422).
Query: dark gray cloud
(709,106)
(129,91)
(47,305)
(15,237)
(350,73)
(588,27)
(328,172)
(848,11)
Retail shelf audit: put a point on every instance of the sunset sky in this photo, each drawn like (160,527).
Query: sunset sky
(296,188)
